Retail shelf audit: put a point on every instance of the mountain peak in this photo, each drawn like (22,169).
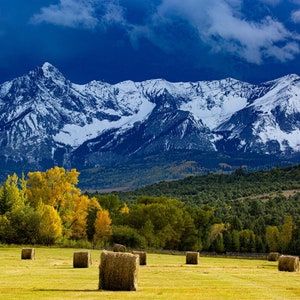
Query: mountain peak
(47,66)
(46,72)
(50,71)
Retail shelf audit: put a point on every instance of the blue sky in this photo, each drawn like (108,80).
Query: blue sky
(137,40)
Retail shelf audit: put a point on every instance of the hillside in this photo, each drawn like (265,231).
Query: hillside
(172,166)
(211,188)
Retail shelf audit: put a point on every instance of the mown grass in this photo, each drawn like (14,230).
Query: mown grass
(52,276)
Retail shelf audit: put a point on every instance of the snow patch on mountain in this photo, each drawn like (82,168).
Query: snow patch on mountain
(217,114)
(75,135)
(286,140)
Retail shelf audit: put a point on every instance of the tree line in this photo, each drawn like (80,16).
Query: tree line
(241,212)
(251,211)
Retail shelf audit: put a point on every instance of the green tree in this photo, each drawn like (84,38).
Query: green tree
(23,225)
(218,244)
(216,237)
(203,219)
(295,243)
(11,196)
(147,231)
(272,238)
(166,216)
(247,240)
(93,208)
(189,238)
(5,228)
(235,223)
(127,236)
(260,244)
(286,234)
(111,203)
(235,241)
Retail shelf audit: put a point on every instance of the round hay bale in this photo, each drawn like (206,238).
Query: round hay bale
(288,263)
(118,271)
(28,253)
(82,259)
(119,248)
(273,256)
(192,258)
(142,256)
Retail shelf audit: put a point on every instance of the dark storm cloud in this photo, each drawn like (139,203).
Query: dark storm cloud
(219,24)
(115,40)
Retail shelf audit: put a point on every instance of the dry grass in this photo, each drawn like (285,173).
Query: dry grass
(273,256)
(288,263)
(82,259)
(118,271)
(192,258)
(52,276)
(142,257)
(119,248)
(28,253)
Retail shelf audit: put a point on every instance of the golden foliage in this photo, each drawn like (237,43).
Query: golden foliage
(50,228)
(102,226)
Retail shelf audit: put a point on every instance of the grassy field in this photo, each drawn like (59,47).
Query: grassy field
(52,276)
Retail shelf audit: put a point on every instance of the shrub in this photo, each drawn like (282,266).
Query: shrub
(127,236)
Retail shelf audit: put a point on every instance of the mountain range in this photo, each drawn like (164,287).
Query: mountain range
(46,120)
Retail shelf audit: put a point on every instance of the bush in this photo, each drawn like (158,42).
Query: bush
(127,236)
(81,244)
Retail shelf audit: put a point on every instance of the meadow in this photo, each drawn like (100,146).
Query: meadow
(52,276)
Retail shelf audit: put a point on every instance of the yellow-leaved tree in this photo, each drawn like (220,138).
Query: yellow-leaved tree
(56,188)
(77,218)
(103,229)
(50,229)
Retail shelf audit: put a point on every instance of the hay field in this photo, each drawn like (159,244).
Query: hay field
(52,276)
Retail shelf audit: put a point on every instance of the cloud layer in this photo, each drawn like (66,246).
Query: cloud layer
(116,40)
(69,13)
(221,25)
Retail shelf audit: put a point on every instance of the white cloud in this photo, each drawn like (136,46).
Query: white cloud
(113,14)
(221,25)
(87,14)
(249,40)
(69,13)
(288,52)
(296,16)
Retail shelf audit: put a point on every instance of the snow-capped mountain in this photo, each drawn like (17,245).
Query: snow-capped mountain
(47,120)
